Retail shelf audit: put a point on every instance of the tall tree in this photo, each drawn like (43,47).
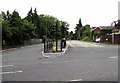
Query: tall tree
(71,35)
(77,29)
(6,29)
(15,23)
(30,16)
(64,28)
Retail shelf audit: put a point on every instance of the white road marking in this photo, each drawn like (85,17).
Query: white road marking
(76,80)
(7,66)
(113,57)
(11,72)
(46,56)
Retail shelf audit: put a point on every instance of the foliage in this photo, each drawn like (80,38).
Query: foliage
(71,35)
(16,30)
(105,31)
(87,39)
(77,29)
(86,31)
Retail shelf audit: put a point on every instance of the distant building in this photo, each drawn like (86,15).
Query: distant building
(98,29)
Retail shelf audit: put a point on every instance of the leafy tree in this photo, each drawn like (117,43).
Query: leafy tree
(71,35)
(46,25)
(16,31)
(15,23)
(6,31)
(29,16)
(77,29)
(105,31)
(34,18)
(87,31)
(28,30)
(64,28)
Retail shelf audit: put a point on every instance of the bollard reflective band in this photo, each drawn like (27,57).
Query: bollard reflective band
(54,44)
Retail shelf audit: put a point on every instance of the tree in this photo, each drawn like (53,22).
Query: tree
(47,24)
(87,31)
(34,18)
(28,30)
(77,29)
(29,16)
(6,31)
(16,24)
(64,28)
(71,35)
(16,30)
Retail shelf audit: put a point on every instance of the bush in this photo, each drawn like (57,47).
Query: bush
(87,39)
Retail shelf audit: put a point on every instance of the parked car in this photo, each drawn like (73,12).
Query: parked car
(98,39)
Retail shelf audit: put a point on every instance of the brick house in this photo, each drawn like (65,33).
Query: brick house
(113,36)
(98,29)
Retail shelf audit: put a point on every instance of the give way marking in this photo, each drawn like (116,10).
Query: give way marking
(113,57)
(7,66)
(76,80)
(10,71)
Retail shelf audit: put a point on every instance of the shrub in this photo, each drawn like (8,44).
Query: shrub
(87,39)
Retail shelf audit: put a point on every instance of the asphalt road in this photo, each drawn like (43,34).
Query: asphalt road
(81,62)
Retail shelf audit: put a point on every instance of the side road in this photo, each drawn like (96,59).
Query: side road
(18,47)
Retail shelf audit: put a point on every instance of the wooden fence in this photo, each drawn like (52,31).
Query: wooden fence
(113,39)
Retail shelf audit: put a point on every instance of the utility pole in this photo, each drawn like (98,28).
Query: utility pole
(56,35)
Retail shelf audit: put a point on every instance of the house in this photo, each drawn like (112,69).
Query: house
(98,29)
(108,34)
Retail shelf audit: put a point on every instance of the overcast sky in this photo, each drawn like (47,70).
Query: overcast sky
(93,12)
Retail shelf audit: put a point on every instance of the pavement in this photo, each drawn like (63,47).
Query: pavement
(82,61)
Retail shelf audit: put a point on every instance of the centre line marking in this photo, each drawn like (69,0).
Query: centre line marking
(7,66)
(76,80)
(11,72)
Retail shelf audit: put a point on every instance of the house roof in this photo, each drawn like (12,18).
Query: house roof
(105,27)
(115,30)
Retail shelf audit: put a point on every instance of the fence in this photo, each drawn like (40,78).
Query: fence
(33,41)
(114,39)
(48,45)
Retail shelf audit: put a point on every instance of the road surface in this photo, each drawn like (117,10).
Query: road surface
(82,61)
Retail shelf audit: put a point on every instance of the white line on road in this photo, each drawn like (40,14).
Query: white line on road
(113,57)
(7,66)
(76,80)
(46,56)
(11,72)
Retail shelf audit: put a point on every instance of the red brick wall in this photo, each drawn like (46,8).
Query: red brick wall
(97,30)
